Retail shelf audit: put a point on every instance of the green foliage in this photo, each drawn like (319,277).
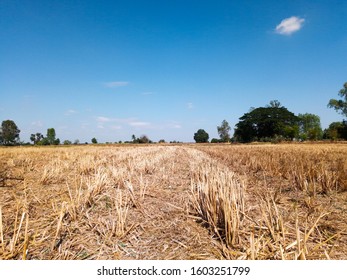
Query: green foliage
(341,104)
(35,138)
(215,140)
(274,104)
(162,141)
(224,131)
(143,140)
(309,127)
(94,141)
(67,142)
(9,133)
(336,131)
(201,136)
(267,122)
(44,142)
(51,136)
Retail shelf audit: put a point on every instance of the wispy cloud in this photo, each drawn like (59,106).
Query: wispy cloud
(116,84)
(115,123)
(190,105)
(290,25)
(147,93)
(139,124)
(103,119)
(70,112)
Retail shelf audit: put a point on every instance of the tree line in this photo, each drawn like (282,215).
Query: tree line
(274,123)
(271,123)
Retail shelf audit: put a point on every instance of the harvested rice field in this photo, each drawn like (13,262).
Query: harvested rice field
(188,202)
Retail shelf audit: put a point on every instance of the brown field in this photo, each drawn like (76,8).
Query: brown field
(286,201)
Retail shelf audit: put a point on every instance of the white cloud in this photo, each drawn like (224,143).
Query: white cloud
(116,84)
(190,105)
(290,25)
(103,119)
(115,123)
(147,93)
(139,124)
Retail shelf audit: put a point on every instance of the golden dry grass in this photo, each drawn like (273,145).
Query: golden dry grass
(295,198)
(173,202)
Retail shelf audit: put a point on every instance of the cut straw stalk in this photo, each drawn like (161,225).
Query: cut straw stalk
(26,239)
(122,213)
(61,216)
(16,235)
(219,199)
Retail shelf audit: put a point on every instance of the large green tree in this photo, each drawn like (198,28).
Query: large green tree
(224,131)
(201,136)
(267,123)
(51,135)
(340,105)
(336,130)
(310,127)
(9,133)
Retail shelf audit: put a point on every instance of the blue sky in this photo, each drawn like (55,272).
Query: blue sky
(110,69)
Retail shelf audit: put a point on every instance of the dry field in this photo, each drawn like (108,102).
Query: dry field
(285,201)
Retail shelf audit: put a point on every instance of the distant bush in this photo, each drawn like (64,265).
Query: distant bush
(67,142)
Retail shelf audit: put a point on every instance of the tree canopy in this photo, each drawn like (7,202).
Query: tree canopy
(309,127)
(224,131)
(36,138)
(267,122)
(336,131)
(201,136)
(9,133)
(341,104)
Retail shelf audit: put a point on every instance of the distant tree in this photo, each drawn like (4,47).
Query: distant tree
(57,141)
(143,140)
(133,137)
(9,133)
(215,140)
(35,138)
(76,142)
(44,141)
(309,127)
(267,123)
(341,104)
(67,142)
(94,141)
(336,131)
(51,136)
(162,141)
(201,136)
(224,131)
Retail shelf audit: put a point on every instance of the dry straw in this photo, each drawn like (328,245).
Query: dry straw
(174,202)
